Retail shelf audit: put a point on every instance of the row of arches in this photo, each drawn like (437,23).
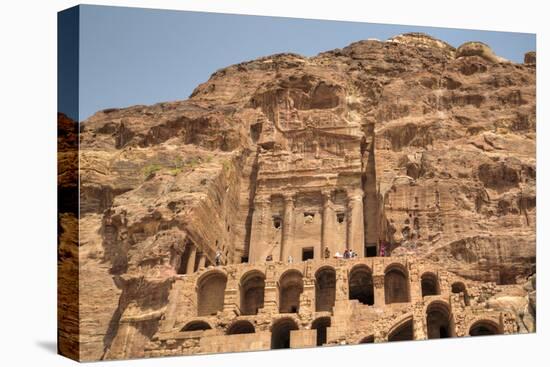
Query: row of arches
(211,288)
(440,325)
(280,330)
(438,319)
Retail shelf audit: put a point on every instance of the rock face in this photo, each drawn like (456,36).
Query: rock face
(417,156)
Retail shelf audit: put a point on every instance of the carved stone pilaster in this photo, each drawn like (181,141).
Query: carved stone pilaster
(379,296)
(326,225)
(355,232)
(261,220)
(420,329)
(287,225)
(191,260)
(342,287)
(509,324)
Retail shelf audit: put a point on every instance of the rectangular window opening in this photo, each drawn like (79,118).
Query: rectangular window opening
(371,251)
(277,222)
(307,253)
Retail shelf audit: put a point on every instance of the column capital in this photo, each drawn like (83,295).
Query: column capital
(378,281)
(326,194)
(262,199)
(289,197)
(355,195)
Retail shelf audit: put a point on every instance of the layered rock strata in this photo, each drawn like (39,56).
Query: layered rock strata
(407,148)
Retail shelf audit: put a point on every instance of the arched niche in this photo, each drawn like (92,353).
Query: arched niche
(280,333)
(439,321)
(241,327)
(484,327)
(321,324)
(291,286)
(361,285)
(402,332)
(252,287)
(210,293)
(196,326)
(325,289)
(429,284)
(396,284)
(460,288)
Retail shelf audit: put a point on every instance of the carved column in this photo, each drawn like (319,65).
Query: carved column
(379,295)
(271,301)
(261,219)
(307,299)
(202,261)
(342,288)
(231,294)
(326,228)
(355,235)
(420,329)
(287,225)
(508,323)
(415,288)
(191,261)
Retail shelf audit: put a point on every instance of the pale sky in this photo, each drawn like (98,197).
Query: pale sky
(132,56)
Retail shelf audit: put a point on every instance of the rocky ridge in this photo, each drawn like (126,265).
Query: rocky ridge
(452,132)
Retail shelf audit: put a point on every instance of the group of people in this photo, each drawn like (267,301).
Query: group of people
(348,254)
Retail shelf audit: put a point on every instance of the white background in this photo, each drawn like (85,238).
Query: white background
(28,181)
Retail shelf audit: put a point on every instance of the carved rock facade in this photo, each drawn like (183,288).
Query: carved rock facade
(418,157)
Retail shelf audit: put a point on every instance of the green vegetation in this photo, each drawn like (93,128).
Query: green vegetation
(177,167)
(227,165)
(150,169)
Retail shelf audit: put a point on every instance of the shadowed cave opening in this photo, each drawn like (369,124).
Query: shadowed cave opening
(280,333)
(458,288)
(483,328)
(196,326)
(325,289)
(321,324)
(361,286)
(291,287)
(241,327)
(396,286)
(211,289)
(402,333)
(429,284)
(252,293)
(438,321)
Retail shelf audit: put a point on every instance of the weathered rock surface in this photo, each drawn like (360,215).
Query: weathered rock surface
(444,139)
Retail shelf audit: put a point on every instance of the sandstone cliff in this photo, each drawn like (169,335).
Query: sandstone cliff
(449,134)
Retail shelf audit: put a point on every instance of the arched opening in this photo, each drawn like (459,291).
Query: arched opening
(367,340)
(321,324)
(484,327)
(280,333)
(429,284)
(196,325)
(396,285)
(211,289)
(291,286)
(439,321)
(402,332)
(458,288)
(252,292)
(325,289)
(360,285)
(241,327)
